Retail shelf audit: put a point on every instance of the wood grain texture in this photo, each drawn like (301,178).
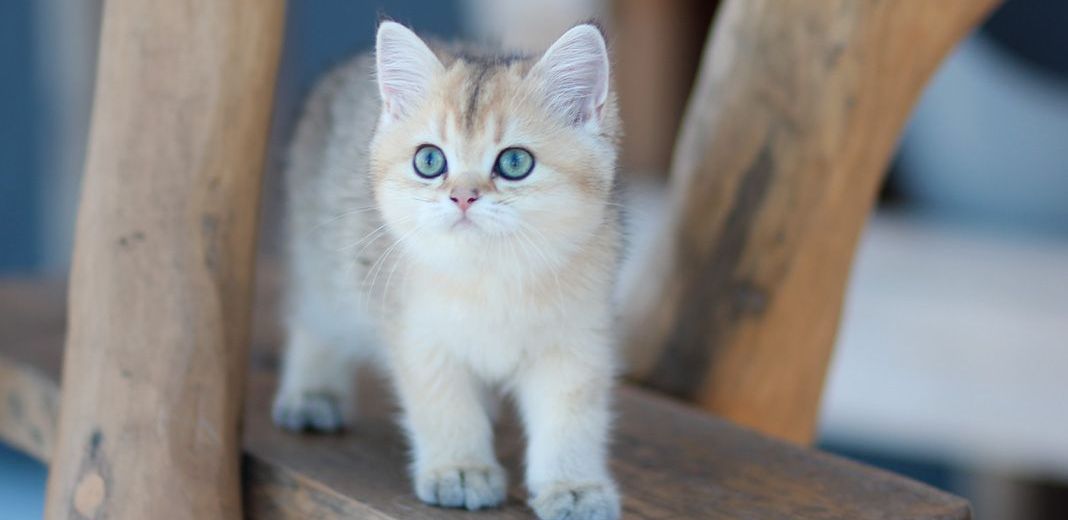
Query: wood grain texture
(163,262)
(796,111)
(672,461)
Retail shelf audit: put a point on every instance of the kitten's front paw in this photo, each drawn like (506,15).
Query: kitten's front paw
(315,411)
(574,501)
(470,487)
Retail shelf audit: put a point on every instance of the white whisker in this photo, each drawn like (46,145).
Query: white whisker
(376,268)
(343,215)
(368,236)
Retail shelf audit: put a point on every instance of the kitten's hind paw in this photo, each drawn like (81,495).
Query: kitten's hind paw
(469,487)
(320,412)
(594,501)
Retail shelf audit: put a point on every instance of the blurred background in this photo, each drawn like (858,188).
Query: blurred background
(952,359)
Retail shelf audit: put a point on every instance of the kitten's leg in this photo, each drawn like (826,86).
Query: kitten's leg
(316,392)
(451,435)
(492,402)
(565,405)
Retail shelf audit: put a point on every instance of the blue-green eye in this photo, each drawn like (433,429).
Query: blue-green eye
(429,161)
(514,164)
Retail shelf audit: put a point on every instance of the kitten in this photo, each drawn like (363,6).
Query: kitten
(455,208)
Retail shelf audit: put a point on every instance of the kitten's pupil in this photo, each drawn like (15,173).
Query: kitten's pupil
(514,164)
(429,161)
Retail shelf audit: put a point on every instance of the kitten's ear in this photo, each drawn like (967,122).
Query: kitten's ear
(574,74)
(405,67)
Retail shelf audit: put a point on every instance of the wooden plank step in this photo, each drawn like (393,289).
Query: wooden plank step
(671,461)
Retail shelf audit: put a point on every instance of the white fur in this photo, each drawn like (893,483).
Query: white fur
(513,298)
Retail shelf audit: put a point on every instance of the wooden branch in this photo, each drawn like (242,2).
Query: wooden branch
(671,461)
(796,111)
(163,261)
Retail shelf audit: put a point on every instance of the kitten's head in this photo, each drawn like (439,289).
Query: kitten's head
(475,154)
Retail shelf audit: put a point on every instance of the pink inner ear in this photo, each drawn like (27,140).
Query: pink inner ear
(386,105)
(389,96)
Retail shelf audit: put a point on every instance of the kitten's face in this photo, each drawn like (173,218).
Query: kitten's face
(479,156)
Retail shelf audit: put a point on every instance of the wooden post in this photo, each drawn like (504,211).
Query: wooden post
(657,48)
(796,111)
(163,262)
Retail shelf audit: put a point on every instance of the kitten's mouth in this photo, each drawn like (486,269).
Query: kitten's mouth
(463,223)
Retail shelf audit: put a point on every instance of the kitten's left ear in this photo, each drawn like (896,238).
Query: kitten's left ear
(405,68)
(574,74)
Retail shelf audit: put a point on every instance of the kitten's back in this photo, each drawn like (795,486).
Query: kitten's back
(327,190)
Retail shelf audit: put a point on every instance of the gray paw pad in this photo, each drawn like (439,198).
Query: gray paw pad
(468,487)
(577,502)
(319,412)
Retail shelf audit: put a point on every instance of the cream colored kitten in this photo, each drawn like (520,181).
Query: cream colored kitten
(457,213)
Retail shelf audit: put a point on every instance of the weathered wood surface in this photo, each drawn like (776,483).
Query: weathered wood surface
(672,461)
(795,113)
(163,262)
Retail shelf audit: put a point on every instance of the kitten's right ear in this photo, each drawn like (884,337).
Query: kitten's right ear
(405,67)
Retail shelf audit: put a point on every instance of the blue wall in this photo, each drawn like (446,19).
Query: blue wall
(20,104)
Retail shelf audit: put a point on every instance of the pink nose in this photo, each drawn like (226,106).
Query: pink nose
(463,197)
